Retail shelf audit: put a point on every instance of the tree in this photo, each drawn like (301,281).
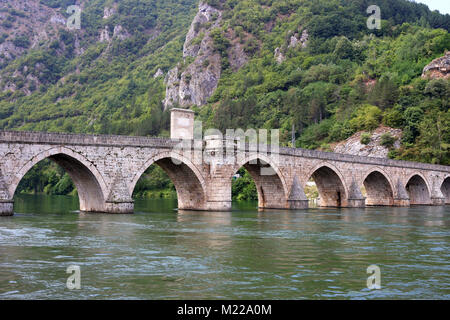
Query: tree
(387,140)
(438,88)
(384,94)
(344,49)
(365,138)
(434,139)
(367,117)
(413,117)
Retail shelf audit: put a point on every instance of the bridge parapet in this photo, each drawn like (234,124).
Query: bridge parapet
(85,139)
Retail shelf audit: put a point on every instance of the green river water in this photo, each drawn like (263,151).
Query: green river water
(160,253)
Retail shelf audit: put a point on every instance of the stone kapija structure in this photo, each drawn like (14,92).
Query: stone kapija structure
(105,170)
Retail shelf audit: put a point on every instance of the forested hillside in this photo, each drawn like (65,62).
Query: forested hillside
(308,64)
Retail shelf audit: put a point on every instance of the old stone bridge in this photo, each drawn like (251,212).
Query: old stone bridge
(105,170)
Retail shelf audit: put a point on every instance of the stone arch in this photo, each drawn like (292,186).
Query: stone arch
(445,189)
(418,189)
(270,183)
(330,184)
(89,182)
(187,179)
(379,188)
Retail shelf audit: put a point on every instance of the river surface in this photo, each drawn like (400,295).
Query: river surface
(159,253)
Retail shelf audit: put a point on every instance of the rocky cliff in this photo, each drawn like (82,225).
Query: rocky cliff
(34,35)
(26,24)
(297,39)
(194,80)
(373,148)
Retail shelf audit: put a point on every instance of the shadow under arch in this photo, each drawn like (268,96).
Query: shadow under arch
(379,188)
(330,185)
(445,188)
(85,176)
(270,184)
(187,179)
(418,190)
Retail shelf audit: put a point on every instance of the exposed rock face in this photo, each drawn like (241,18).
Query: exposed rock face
(109,12)
(158,73)
(279,56)
(236,53)
(195,83)
(36,22)
(297,39)
(354,146)
(205,14)
(104,35)
(304,38)
(438,68)
(120,33)
(173,87)
(294,41)
(237,57)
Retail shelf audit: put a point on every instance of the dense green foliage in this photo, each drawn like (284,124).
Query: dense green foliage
(243,187)
(47,177)
(154,184)
(109,88)
(347,79)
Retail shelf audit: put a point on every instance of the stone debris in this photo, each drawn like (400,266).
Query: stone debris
(438,68)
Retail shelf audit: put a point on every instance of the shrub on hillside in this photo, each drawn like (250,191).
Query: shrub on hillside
(365,138)
(387,140)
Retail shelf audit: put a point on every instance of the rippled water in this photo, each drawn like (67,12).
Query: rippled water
(159,253)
